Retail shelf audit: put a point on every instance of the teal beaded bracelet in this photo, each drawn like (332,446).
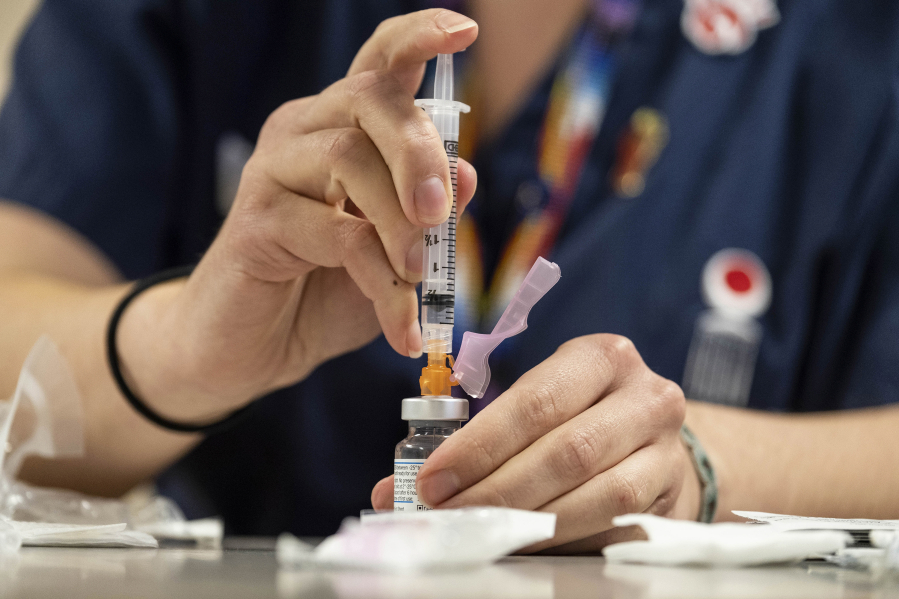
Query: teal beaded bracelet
(707,481)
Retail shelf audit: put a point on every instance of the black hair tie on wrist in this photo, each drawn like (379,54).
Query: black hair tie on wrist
(112,355)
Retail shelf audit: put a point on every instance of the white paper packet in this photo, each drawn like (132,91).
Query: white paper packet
(785,522)
(207,532)
(43,534)
(418,541)
(681,542)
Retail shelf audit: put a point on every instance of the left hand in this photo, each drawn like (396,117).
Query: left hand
(589,434)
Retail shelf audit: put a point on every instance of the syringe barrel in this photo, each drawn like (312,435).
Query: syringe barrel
(438,289)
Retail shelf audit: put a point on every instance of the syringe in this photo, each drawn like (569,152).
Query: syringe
(438,288)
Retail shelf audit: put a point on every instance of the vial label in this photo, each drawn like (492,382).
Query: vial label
(405,499)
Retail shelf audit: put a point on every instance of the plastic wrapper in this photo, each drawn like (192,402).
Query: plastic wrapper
(882,558)
(44,418)
(423,541)
(10,539)
(45,409)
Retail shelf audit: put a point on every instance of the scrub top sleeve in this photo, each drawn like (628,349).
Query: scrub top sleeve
(89,129)
(871,364)
(874,362)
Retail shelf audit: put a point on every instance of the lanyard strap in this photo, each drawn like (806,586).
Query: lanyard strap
(574,115)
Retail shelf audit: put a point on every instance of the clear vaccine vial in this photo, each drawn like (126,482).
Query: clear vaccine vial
(431,420)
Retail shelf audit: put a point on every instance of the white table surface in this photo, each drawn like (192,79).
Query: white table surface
(251,571)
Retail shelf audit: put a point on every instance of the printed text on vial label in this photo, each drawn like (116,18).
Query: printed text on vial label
(405,499)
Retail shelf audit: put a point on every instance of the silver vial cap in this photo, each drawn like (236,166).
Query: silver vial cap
(437,407)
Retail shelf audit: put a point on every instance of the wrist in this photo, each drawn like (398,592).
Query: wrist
(158,361)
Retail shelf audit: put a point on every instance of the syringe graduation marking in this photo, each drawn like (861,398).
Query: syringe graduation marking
(439,286)
(432,239)
(442,308)
(452,154)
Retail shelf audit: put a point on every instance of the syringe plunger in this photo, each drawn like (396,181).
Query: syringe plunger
(443,78)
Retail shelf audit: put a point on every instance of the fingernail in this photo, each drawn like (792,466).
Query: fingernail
(451,22)
(438,487)
(430,201)
(413,340)
(415,257)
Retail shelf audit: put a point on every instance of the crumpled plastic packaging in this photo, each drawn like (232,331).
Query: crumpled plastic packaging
(681,542)
(882,558)
(44,418)
(10,539)
(422,541)
(887,543)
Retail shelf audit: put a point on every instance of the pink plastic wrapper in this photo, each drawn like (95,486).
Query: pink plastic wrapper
(471,369)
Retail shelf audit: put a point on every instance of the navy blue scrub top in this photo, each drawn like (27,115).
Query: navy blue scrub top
(789,150)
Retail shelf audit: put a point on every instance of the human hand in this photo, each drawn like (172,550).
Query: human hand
(589,434)
(322,247)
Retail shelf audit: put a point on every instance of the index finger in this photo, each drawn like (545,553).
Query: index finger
(574,378)
(402,45)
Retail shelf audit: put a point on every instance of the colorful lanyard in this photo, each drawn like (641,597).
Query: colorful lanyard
(577,104)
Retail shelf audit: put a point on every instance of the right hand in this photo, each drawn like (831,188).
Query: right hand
(322,248)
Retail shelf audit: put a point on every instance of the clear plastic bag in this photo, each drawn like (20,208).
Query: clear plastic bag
(46,411)
(44,418)
(10,539)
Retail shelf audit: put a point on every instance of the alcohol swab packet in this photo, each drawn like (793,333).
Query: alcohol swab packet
(471,369)
(682,543)
(787,522)
(422,541)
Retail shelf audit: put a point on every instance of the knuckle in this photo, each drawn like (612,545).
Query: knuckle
(664,504)
(355,236)
(587,343)
(542,410)
(499,499)
(626,495)
(347,147)
(367,85)
(255,238)
(486,494)
(668,404)
(589,349)
(387,24)
(477,454)
(382,26)
(283,117)
(578,455)
(581,350)
(672,396)
(419,141)
(611,355)
(621,350)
